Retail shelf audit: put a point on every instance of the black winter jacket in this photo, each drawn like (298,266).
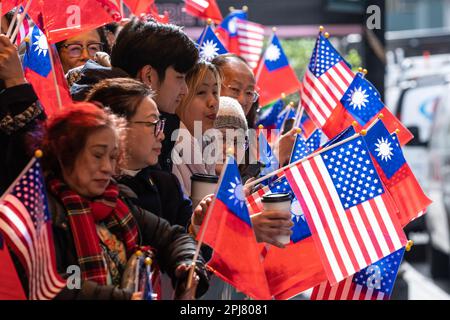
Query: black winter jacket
(173,247)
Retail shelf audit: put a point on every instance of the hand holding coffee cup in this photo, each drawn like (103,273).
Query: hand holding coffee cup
(201,186)
(275,220)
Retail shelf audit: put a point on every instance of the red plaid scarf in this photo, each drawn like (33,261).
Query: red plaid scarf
(84,214)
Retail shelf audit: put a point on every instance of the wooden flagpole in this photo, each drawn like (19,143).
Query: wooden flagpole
(205,224)
(20,20)
(362,133)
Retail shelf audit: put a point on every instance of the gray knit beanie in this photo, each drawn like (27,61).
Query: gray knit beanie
(230,115)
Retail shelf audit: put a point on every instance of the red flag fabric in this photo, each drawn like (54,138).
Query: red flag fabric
(274,75)
(395,173)
(236,257)
(204,9)
(138,7)
(294,269)
(61,20)
(8,5)
(38,72)
(10,285)
(26,224)
(352,219)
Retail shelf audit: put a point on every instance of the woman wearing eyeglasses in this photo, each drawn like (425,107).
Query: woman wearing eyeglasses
(75,51)
(154,190)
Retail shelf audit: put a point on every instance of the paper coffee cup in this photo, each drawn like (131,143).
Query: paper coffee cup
(280,202)
(201,186)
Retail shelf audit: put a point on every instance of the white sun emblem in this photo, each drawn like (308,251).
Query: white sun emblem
(296,210)
(384,149)
(358,98)
(209,50)
(237,193)
(41,44)
(273,53)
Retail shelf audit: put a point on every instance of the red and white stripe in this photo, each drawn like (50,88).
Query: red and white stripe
(34,249)
(321,95)
(200,5)
(251,40)
(24,30)
(254,204)
(346,290)
(348,240)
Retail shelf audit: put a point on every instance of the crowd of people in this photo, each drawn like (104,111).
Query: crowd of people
(118,162)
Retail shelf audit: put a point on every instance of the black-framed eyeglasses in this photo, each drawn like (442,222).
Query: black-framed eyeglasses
(249,94)
(75,50)
(159,125)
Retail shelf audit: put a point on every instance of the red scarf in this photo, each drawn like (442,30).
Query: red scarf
(84,214)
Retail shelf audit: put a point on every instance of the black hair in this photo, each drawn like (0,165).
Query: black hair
(101,32)
(152,43)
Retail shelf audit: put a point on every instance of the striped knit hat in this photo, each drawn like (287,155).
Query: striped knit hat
(230,115)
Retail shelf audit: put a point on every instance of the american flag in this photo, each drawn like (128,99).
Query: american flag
(372,283)
(26,225)
(300,149)
(24,29)
(352,220)
(313,141)
(251,40)
(326,80)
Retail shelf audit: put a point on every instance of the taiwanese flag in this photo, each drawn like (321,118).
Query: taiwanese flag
(228,230)
(361,103)
(38,71)
(228,30)
(203,9)
(375,282)
(274,74)
(396,173)
(271,116)
(65,19)
(10,285)
(209,45)
(307,125)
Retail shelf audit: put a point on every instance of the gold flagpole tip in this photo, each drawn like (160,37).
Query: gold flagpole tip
(274,29)
(365,71)
(298,130)
(354,123)
(244,8)
(397,131)
(283,95)
(139,253)
(291,103)
(260,127)
(409,245)
(38,153)
(231,8)
(148,261)
(363,132)
(360,69)
(380,116)
(327,35)
(321,28)
(230,151)
(209,21)
(26,39)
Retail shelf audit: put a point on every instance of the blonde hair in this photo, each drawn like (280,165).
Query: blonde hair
(194,79)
